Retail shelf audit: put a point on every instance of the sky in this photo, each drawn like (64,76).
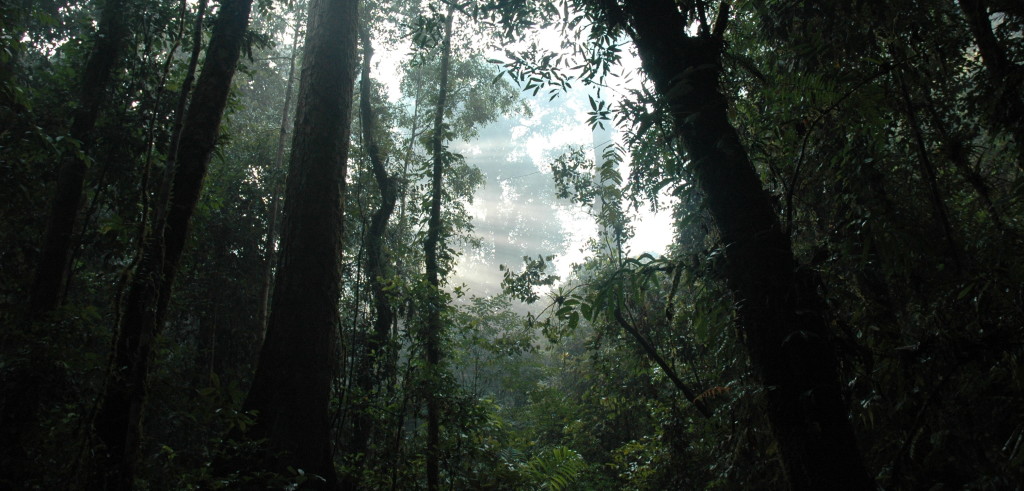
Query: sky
(516,213)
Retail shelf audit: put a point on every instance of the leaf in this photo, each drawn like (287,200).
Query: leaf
(587,311)
(557,469)
(965,291)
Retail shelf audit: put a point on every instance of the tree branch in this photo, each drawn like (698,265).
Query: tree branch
(721,21)
(649,349)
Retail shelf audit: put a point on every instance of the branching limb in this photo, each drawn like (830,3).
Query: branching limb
(649,349)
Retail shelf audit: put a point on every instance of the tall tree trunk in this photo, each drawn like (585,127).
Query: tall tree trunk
(118,419)
(163,193)
(23,389)
(156,114)
(292,385)
(375,361)
(1008,112)
(164,190)
(780,316)
(270,242)
(53,268)
(432,331)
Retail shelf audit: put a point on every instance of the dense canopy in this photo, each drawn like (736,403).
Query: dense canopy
(336,244)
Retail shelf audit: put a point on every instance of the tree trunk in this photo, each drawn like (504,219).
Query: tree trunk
(780,317)
(164,192)
(54,266)
(375,361)
(292,386)
(156,114)
(432,331)
(118,419)
(270,243)
(23,396)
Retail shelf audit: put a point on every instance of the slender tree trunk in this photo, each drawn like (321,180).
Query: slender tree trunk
(270,243)
(1008,112)
(781,317)
(292,386)
(432,332)
(144,196)
(375,361)
(376,269)
(413,133)
(118,419)
(163,194)
(54,266)
(929,175)
(163,191)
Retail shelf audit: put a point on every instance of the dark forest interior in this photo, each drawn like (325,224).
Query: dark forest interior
(337,244)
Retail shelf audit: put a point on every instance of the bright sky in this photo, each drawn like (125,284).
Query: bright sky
(515,212)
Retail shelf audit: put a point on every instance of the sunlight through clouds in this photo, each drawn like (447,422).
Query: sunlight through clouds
(516,213)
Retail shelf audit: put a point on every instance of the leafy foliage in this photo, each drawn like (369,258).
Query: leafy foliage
(882,135)
(555,469)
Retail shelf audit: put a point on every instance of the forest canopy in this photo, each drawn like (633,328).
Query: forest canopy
(351,244)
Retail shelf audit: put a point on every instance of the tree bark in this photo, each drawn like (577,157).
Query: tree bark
(376,363)
(54,266)
(292,386)
(432,332)
(780,317)
(118,419)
